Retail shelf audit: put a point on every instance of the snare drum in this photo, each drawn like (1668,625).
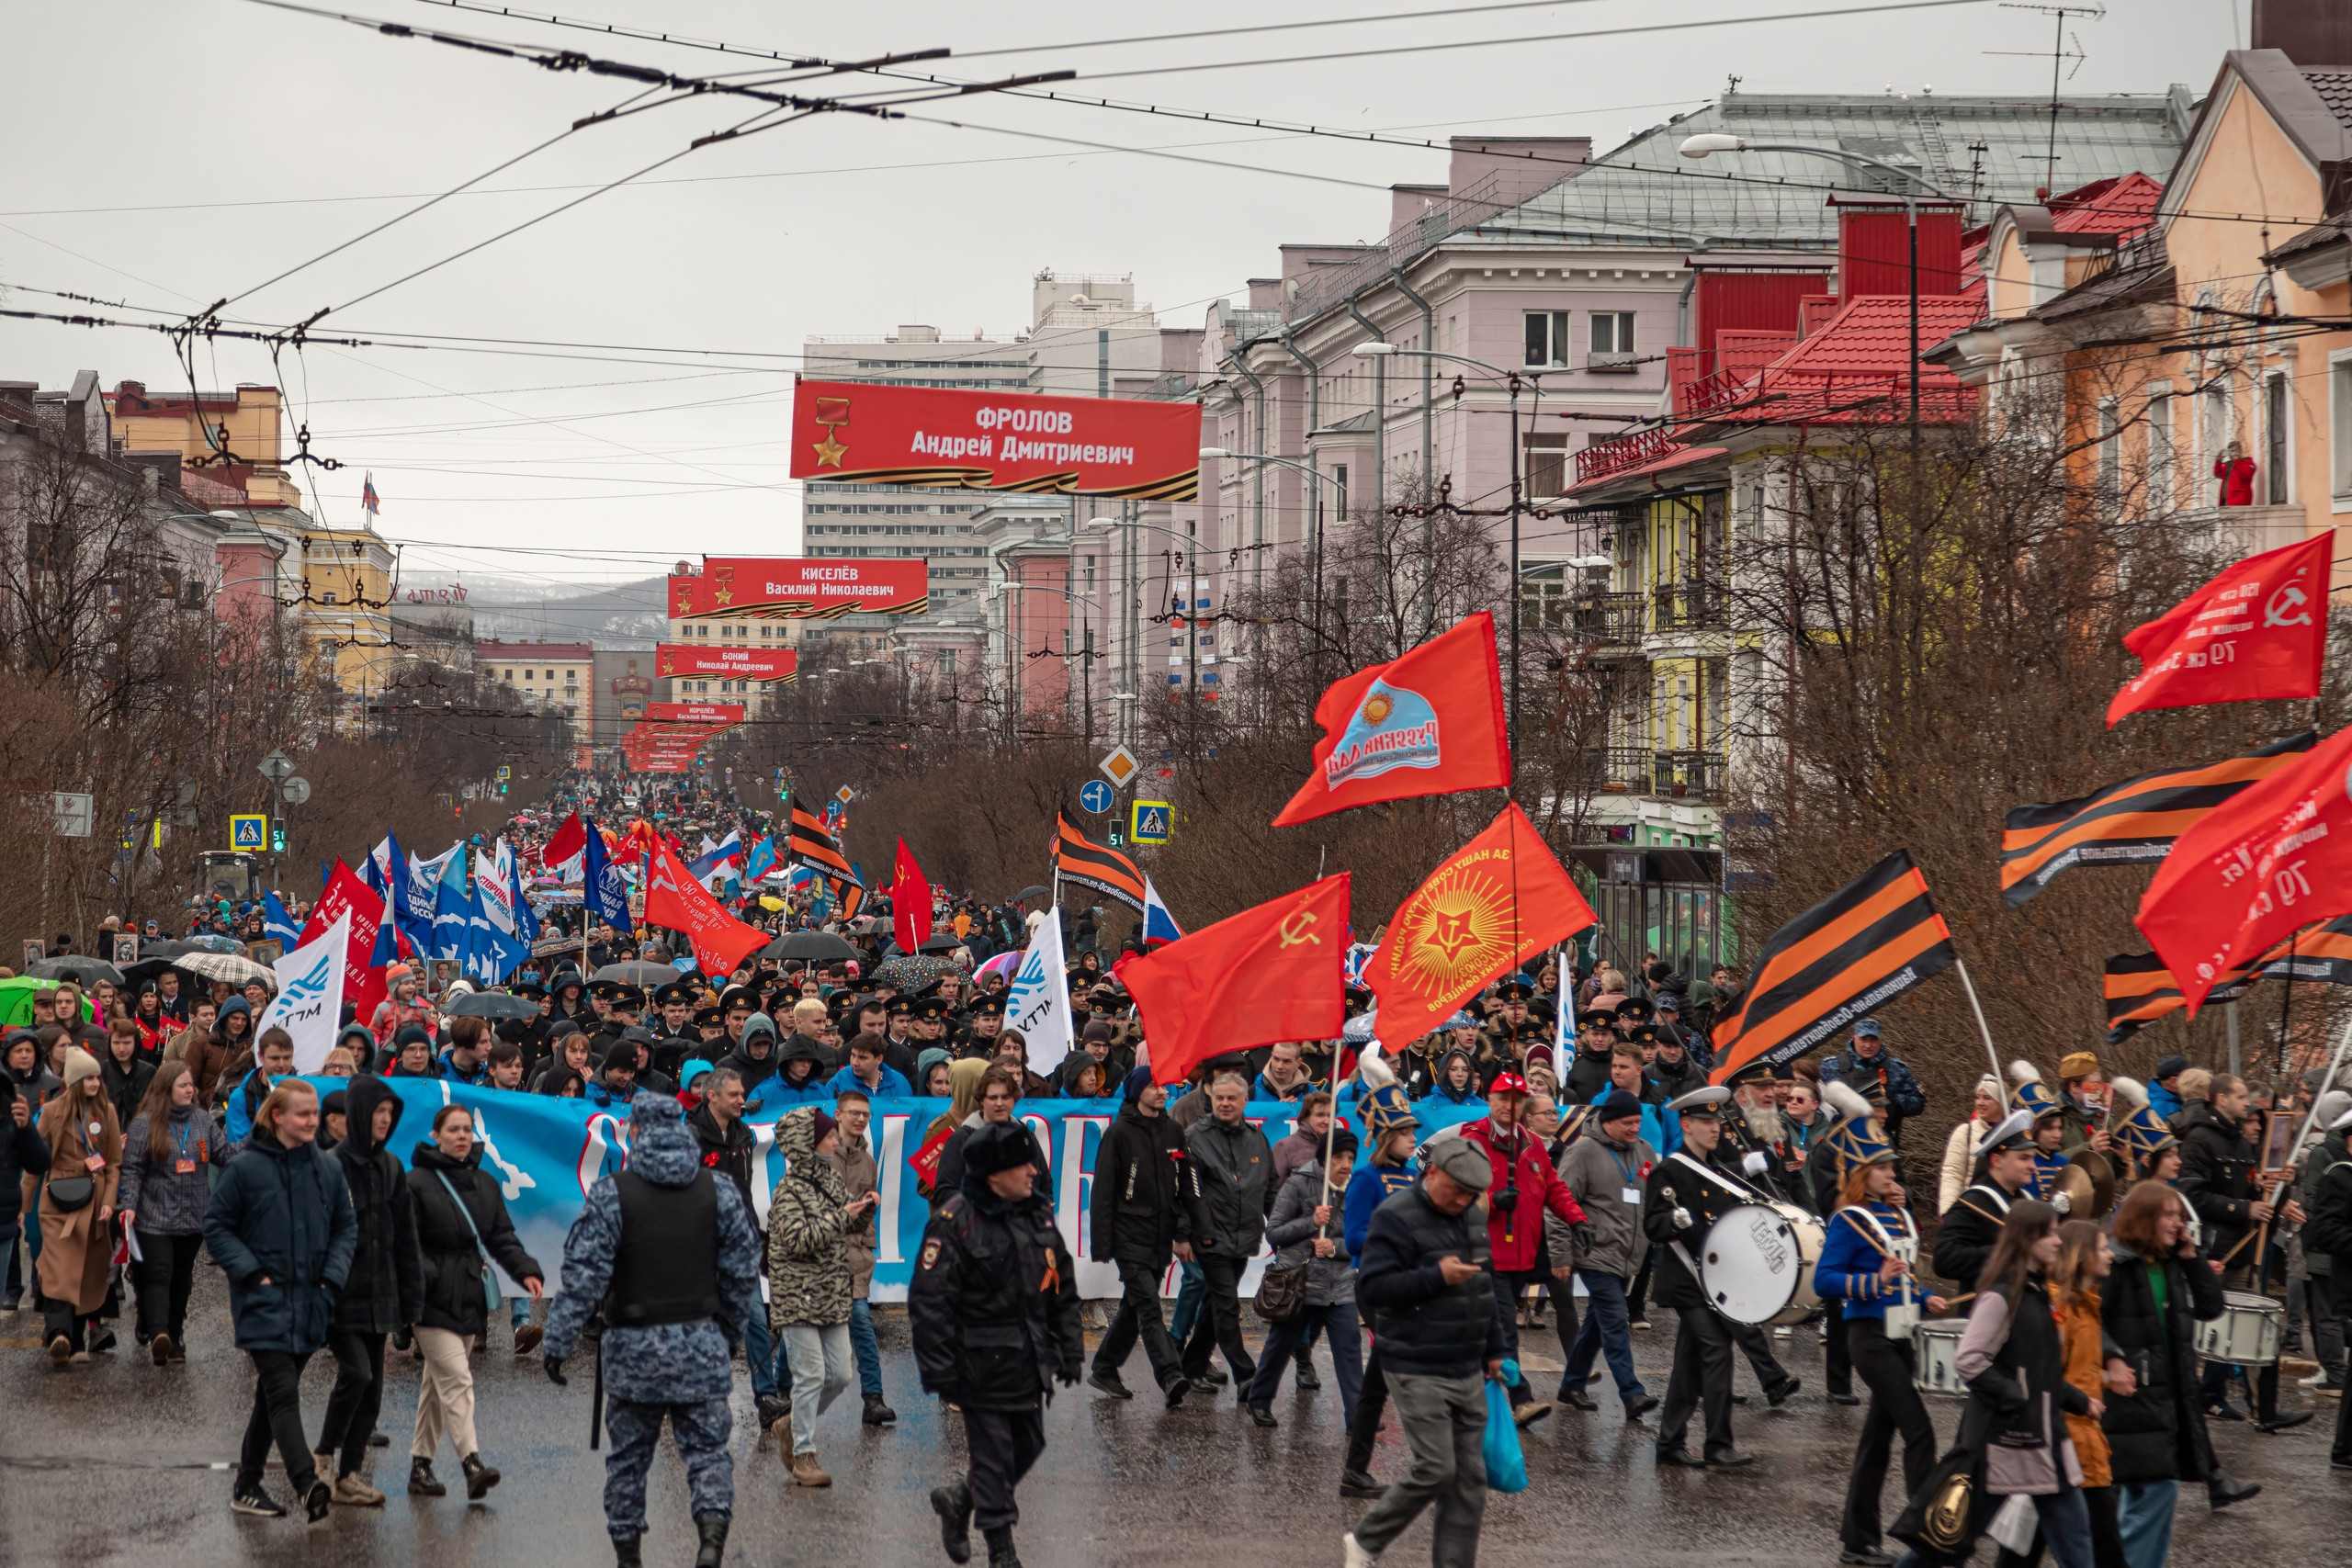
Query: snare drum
(2246,1334)
(1937,1343)
(1756,1264)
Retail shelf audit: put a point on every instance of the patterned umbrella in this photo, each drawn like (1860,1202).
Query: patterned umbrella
(912,973)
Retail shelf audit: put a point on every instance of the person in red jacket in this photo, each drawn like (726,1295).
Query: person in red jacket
(2235,470)
(1525,1188)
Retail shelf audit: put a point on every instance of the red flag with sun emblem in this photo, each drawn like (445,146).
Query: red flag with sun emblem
(1496,899)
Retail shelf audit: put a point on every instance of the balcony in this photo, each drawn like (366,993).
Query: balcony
(1687,776)
(2237,532)
(1688,606)
(1617,770)
(1607,620)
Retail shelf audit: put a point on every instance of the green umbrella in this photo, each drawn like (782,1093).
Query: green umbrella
(16,1000)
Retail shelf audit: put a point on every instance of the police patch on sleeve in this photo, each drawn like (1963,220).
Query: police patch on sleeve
(929,1252)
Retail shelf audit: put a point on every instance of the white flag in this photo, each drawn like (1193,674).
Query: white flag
(1038,1003)
(308,1004)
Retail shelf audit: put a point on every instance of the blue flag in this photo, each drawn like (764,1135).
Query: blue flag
(277,925)
(452,913)
(761,861)
(606,893)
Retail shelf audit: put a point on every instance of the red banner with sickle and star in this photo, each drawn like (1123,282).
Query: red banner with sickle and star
(1496,900)
(1275,972)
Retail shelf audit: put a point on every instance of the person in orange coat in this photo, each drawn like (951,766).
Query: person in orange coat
(77,1220)
(2093,1365)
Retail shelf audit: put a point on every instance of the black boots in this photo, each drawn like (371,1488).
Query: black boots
(624,1552)
(421,1482)
(712,1527)
(1000,1553)
(479,1477)
(876,1413)
(952,1504)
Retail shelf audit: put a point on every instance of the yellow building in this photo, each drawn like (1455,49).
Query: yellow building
(234,437)
(346,597)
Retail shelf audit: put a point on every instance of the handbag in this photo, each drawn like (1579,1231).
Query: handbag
(69,1194)
(1282,1291)
(491,1296)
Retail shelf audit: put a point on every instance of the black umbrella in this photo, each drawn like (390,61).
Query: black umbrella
(82,970)
(491,1005)
(947,942)
(636,973)
(1030,893)
(165,947)
(810,947)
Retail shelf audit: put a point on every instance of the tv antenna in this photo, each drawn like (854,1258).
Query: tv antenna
(2057,54)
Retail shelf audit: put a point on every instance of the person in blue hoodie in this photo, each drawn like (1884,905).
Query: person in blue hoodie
(1391,1132)
(2163,1088)
(467,1060)
(799,1075)
(1456,1081)
(867,1071)
(1867,1259)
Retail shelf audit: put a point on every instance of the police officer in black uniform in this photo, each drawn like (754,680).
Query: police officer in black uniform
(994,1311)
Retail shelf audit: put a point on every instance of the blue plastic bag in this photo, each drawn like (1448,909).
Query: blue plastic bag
(1505,1466)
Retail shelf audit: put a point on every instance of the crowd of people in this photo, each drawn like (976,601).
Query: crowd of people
(1554,1150)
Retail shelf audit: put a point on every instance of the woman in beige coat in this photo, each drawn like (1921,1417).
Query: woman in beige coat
(77,1205)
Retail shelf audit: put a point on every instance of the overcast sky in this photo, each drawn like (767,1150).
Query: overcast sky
(172,153)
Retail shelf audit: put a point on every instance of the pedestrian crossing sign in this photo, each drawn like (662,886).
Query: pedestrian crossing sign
(1151,821)
(249,833)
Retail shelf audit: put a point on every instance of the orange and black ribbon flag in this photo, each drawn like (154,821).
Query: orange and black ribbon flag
(1857,950)
(2139,990)
(813,842)
(1080,858)
(2130,823)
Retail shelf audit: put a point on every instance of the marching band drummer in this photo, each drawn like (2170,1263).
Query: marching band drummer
(2049,1134)
(1866,1267)
(2143,1136)
(2004,1167)
(1686,1193)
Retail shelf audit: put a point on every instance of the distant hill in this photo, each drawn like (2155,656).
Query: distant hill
(627,614)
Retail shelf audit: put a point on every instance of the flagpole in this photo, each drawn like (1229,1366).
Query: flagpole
(2000,1085)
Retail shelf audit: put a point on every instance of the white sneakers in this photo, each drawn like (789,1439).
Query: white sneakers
(1355,1555)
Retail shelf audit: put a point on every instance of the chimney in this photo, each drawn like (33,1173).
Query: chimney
(2314,34)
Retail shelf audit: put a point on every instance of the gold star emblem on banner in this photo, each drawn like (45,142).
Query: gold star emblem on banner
(722,595)
(830,451)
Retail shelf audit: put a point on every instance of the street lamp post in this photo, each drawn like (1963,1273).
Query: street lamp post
(1086,659)
(1192,566)
(1378,351)
(1314,541)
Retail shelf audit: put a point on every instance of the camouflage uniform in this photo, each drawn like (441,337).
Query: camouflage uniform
(682,1371)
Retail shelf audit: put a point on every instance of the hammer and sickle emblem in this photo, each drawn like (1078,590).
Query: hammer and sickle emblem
(2289,597)
(1295,928)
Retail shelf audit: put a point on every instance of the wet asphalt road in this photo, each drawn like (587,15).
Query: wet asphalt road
(120,1461)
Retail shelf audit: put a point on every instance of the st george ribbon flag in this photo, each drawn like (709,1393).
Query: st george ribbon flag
(1496,899)
(308,1003)
(1429,722)
(2257,631)
(2130,823)
(2274,860)
(1037,1004)
(910,903)
(1275,972)
(2139,990)
(1859,948)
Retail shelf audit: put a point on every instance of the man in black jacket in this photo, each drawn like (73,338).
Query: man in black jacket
(1146,1211)
(1426,1273)
(1686,1193)
(383,1292)
(1233,1167)
(2330,1231)
(994,1311)
(2219,1176)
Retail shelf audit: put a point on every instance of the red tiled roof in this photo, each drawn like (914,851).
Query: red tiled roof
(1854,366)
(1674,457)
(2124,207)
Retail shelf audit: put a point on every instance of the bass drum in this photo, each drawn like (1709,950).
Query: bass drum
(1758,1260)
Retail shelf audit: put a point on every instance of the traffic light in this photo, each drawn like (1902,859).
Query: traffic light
(277,838)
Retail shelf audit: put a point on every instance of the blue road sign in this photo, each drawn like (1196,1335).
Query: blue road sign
(1152,821)
(1095,796)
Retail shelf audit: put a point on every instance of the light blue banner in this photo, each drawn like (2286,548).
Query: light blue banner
(547,1153)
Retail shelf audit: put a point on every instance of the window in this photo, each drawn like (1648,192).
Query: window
(2215,413)
(1613,341)
(327,598)
(2339,410)
(2110,460)
(2274,439)
(1547,337)
(1340,488)
(1543,464)
(2161,457)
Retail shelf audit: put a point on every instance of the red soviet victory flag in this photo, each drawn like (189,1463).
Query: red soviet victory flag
(1430,722)
(910,903)
(1496,899)
(345,892)
(673,898)
(2271,860)
(2258,630)
(1276,972)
